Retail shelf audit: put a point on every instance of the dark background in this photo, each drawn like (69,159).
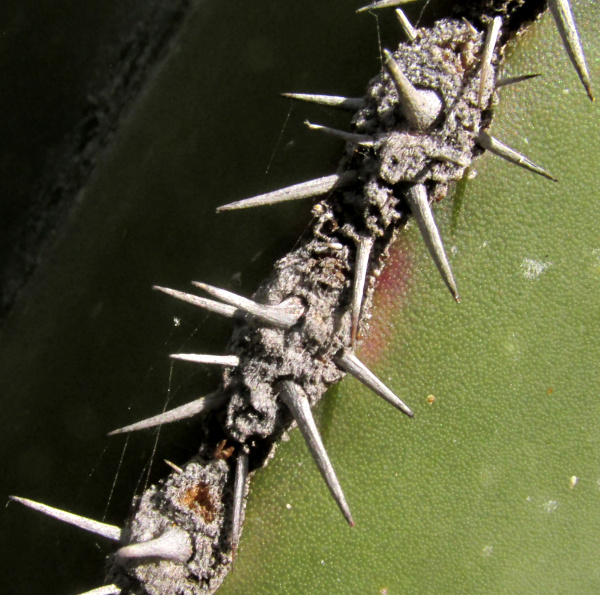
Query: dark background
(122,127)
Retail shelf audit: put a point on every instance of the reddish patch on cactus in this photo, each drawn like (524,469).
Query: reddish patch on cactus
(389,299)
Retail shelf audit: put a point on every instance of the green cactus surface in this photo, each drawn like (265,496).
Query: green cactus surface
(494,486)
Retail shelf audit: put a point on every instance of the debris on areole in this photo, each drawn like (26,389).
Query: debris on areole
(223,452)
(199,499)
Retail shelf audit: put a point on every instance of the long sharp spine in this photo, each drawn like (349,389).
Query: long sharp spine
(175,467)
(383,4)
(513,80)
(211,305)
(295,399)
(488,54)
(174,544)
(239,488)
(492,144)
(406,25)
(359,139)
(208,403)
(307,189)
(348,103)
(561,11)
(421,210)
(103,529)
(104,590)
(284,315)
(421,107)
(470,25)
(200,358)
(363,254)
(351,364)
